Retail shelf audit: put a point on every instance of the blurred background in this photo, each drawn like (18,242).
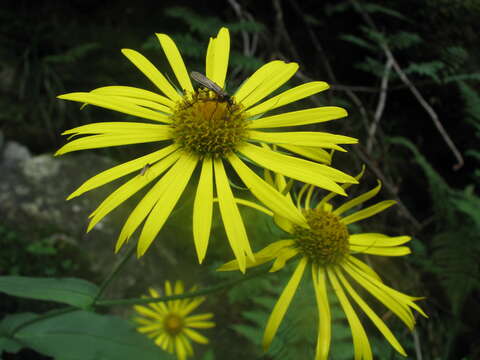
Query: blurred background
(408,74)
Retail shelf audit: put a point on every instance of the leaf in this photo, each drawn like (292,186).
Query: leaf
(72,291)
(7,325)
(82,335)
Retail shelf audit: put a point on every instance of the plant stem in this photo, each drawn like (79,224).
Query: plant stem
(113,273)
(202,292)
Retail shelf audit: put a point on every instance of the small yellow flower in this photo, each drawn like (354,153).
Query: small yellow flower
(206,128)
(324,243)
(170,324)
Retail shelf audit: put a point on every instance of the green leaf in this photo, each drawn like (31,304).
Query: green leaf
(7,325)
(72,291)
(83,335)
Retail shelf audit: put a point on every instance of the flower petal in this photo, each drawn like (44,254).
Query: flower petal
(120,128)
(113,103)
(152,73)
(269,85)
(324,316)
(195,336)
(202,209)
(125,191)
(176,61)
(261,75)
(145,205)
(378,322)
(107,140)
(282,259)
(178,179)
(282,304)
(220,51)
(378,290)
(300,117)
(309,152)
(311,173)
(123,169)
(382,251)
(367,212)
(358,200)
(289,96)
(361,344)
(266,193)
(378,240)
(231,217)
(133,92)
(302,138)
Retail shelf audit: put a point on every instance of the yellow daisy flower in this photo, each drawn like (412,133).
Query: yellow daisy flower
(206,128)
(170,324)
(323,242)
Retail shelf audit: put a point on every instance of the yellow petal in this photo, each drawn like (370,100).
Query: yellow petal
(125,191)
(358,200)
(302,138)
(381,251)
(361,344)
(269,85)
(264,73)
(289,96)
(282,304)
(368,212)
(253,205)
(324,316)
(152,73)
(133,92)
(395,304)
(372,315)
(312,153)
(311,173)
(231,217)
(178,179)
(145,205)
(195,336)
(300,117)
(202,209)
(123,127)
(282,259)
(378,240)
(107,140)
(113,103)
(364,267)
(217,71)
(149,105)
(122,170)
(266,193)
(176,61)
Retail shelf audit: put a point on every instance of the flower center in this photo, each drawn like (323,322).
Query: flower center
(207,124)
(173,324)
(325,242)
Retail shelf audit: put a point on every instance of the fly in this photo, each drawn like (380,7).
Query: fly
(145,169)
(211,85)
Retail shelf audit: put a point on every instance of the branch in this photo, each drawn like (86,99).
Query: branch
(366,17)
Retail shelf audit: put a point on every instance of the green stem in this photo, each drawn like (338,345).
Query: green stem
(47,315)
(113,273)
(197,293)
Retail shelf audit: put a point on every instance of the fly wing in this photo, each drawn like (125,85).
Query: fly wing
(206,82)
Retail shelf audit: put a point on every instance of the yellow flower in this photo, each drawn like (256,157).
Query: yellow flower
(170,324)
(206,128)
(324,243)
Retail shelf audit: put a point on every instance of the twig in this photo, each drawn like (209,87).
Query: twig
(382,99)
(412,88)
(416,342)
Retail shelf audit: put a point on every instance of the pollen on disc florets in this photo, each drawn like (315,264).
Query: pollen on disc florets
(325,241)
(173,324)
(207,124)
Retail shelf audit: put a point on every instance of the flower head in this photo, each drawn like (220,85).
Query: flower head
(323,243)
(170,324)
(206,127)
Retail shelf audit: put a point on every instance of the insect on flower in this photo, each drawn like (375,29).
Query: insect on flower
(211,85)
(145,169)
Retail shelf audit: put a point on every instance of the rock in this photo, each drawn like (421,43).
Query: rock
(14,154)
